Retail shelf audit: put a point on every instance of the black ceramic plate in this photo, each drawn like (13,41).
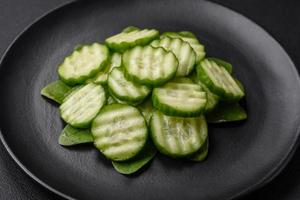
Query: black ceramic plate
(242,156)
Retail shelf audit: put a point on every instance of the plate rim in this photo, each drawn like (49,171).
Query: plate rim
(267,178)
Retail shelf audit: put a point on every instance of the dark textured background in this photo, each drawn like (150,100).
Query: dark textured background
(281,18)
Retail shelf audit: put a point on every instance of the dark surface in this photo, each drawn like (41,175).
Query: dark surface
(277,19)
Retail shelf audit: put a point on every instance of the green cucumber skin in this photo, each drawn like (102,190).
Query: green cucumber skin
(225,112)
(148,82)
(218,91)
(127,98)
(202,153)
(170,111)
(72,136)
(138,162)
(117,105)
(116,100)
(165,151)
(123,46)
(56,91)
(130,28)
(222,63)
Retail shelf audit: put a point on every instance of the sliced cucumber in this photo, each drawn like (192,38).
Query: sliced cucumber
(82,106)
(71,136)
(212,99)
(102,76)
(191,39)
(126,90)
(83,63)
(130,38)
(219,81)
(132,103)
(177,137)
(56,91)
(222,63)
(227,113)
(146,109)
(180,99)
(202,153)
(182,50)
(120,131)
(130,29)
(149,66)
(133,165)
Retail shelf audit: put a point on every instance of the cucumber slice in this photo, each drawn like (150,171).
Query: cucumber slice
(132,103)
(125,90)
(56,91)
(222,63)
(177,137)
(180,99)
(120,131)
(182,50)
(83,63)
(130,38)
(71,136)
(212,99)
(202,153)
(227,113)
(219,81)
(191,39)
(102,76)
(130,29)
(149,66)
(82,106)
(146,109)
(133,165)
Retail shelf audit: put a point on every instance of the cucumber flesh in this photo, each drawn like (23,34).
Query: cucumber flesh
(120,131)
(82,106)
(71,136)
(102,76)
(133,165)
(219,81)
(130,38)
(202,153)
(225,112)
(177,137)
(56,91)
(149,66)
(126,90)
(183,52)
(191,39)
(146,109)
(180,99)
(83,63)
(222,63)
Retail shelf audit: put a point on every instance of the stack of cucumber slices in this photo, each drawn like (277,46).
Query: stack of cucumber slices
(142,91)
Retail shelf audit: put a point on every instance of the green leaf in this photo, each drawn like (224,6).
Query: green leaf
(56,91)
(72,136)
(133,165)
(227,113)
